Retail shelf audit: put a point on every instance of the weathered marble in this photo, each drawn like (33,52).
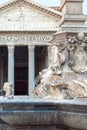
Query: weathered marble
(39,112)
(11,65)
(8,89)
(31,70)
(52,83)
(24,15)
(26,23)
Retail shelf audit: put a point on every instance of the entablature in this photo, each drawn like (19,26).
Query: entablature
(26,38)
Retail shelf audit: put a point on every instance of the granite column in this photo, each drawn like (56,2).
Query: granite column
(11,64)
(31,70)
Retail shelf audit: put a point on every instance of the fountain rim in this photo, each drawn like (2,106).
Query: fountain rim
(42,101)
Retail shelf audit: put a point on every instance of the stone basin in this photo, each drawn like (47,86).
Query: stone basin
(25,111)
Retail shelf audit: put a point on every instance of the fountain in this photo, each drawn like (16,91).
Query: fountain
(53,83)
(60,98)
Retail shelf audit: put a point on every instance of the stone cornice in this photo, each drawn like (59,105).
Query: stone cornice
(29,32)
(42,8)
(72,18)
(70,1)
(68,32)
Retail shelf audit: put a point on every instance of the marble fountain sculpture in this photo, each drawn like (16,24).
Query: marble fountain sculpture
(8,89)
(60,92)
(52,82)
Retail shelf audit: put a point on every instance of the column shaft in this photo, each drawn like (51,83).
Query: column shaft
(31,70)
(11,64)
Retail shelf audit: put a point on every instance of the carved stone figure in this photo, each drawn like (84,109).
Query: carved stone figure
(78,53)
(8,89)
(52,86)
(51,79)
(57,60)
(51,83)
(78,89)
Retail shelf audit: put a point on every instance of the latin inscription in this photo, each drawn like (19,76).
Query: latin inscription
(25,39)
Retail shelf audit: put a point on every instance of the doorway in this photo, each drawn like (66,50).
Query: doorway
(21,70)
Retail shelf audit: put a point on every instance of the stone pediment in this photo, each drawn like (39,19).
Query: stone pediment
(25,15)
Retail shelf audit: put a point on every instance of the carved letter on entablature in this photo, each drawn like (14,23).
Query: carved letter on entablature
(77,48)
(25,39)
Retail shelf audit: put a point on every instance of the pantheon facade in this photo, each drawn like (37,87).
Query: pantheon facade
(26,31)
